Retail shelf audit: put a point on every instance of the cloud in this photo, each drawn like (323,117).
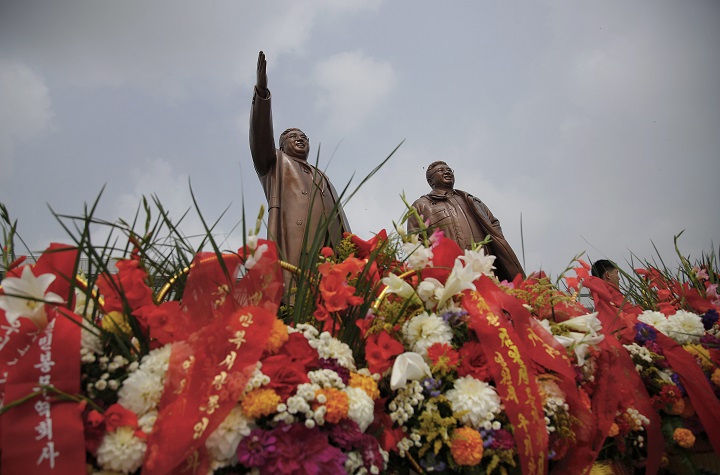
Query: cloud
(156,178)
(163,46)
(26,109)
(352,86)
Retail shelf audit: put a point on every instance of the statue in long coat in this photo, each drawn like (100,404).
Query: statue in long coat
(301,199)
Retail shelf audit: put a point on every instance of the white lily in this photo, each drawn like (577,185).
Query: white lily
(25,296)
(460,278)
(589,323)
(409,366)
(418,255)
(396,285)
(479,261)
(430,290)
(579,343)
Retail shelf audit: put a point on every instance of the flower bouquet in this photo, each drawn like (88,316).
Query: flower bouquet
(107,372)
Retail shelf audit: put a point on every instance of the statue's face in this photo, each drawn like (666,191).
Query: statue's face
(442,177)
(296,144)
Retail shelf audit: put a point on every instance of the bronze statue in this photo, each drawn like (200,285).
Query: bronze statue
(300,197)
(463,218)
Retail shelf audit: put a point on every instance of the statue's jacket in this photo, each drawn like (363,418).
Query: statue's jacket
(465,219)
(300,197)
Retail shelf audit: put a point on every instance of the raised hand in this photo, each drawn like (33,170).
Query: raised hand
(261,84)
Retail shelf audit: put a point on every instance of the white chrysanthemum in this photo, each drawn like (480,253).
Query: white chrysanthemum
(121,450)
(652,318)
(418,255)
(361,408)
(329,347)
(222,444)
(146,422)
(157,361)
(551,389)
(474,401)
(90,341)
(422,331)
(684,327)
(479,261)
(141,392)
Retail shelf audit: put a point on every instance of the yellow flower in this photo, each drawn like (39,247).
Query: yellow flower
(366,383)
(715,378)
(702,355)
(684,437)
(278,337)
(260,402)
(116,322)
(466,446)
(337,403)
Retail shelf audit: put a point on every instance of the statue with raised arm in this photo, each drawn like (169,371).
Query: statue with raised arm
(300,197)
(463,218)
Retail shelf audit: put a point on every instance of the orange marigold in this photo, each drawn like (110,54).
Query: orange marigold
(366,383)
(260,402)
(337,403)
(466,446)
(278,337)
(684,437)
(614,430)
(676,408)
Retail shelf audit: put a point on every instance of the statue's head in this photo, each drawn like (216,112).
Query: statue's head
(440,175)
(295,143)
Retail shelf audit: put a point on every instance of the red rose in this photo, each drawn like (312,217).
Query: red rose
(380,351)
(297,350)
(284,375)
(473,362)
(117,416)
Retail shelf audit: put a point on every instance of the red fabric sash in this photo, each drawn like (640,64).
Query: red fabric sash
(515,382)
(543,349)
(44,434)
(696,385)
(206,377)
(617,378)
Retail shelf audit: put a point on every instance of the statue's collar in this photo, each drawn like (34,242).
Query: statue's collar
(440,195)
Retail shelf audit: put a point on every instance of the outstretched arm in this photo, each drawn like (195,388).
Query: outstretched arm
(262,141)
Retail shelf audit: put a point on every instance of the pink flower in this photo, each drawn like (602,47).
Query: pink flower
(313,455)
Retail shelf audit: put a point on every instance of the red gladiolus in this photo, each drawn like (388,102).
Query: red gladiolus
(380,351)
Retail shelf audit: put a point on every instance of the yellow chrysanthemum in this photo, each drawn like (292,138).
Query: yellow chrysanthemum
(116,322)
(337,403)
(715,378)
(366,383)
(701,354)
(466,446)
(260,402)
(684,437)
(278,336)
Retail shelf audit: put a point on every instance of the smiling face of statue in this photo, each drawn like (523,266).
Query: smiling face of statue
(295,143)
(441,176)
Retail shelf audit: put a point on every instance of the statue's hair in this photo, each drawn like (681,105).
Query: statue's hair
(601,266)
(282,136)
(429,171)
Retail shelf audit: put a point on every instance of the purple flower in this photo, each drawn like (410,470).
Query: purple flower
(431,464)
(453,317)
(254,449)
(503,440)
(710,318)
(332,364)
(303,450)
(644,333)
(346,434)
(431,386)
(676,379)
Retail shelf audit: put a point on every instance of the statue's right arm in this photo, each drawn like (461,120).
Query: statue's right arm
(262,141)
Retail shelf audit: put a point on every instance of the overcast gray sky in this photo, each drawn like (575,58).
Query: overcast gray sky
(598,123)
